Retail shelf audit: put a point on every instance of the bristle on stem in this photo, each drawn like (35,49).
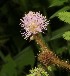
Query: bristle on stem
(47,57)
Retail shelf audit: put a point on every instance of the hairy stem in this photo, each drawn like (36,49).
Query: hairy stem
(48,57)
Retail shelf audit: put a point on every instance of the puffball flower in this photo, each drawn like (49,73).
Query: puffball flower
(33,23)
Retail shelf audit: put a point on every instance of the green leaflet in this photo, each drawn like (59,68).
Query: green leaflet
(66,35)
(64,16)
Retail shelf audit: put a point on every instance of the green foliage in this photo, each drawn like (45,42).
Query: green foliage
(61,10)
(38,72)
(57,2)
(49,68)
(9,69)
(58,33)
(66,35)
(64,16)
(26,57)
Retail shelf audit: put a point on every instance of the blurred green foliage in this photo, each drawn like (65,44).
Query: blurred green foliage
(17,56)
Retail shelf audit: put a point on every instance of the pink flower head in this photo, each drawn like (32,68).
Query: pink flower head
(33,23)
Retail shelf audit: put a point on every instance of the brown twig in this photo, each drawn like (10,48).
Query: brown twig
(48,57)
